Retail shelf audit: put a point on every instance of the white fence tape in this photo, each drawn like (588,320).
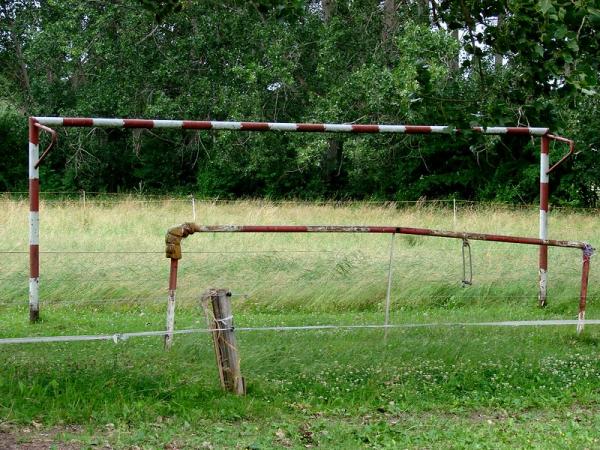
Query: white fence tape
(116,337)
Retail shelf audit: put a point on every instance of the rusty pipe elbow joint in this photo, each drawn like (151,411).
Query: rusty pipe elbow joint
(174,237)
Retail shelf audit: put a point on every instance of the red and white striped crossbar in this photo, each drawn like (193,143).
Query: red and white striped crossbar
(278,126)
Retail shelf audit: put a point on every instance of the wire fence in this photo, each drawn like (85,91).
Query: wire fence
(105,198)
(117,277)
(118,337)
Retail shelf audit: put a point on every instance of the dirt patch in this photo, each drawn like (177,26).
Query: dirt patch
(26,439)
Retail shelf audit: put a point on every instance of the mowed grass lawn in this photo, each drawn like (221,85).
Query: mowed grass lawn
(431,387)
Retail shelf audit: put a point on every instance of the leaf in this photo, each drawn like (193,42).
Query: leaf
(539,49)
(545,6)
(572,44)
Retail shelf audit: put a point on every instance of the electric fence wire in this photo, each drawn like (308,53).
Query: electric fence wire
(117,337)
(75,197)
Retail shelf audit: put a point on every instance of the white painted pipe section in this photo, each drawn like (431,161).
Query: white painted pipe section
(543,224)
(283,126)
(440,129)
(388,294)
(580,322)
(338,128)
(34,228)
(34,294)
(50,120)
(168,123)
(392,129)
(34,155)
(108,123)
(170,319)
(538,131)
(227,125)
(544,166)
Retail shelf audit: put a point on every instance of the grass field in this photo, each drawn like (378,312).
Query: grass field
(439,387)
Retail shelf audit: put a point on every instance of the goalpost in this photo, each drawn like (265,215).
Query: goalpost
(37,124)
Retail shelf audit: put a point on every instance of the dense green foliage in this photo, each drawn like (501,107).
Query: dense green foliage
(418,62)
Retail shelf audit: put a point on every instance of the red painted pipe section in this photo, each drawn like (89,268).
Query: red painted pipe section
(173,275)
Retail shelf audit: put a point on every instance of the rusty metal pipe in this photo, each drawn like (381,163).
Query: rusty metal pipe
(585,272)
(52,142)
(569,153)
(176,234)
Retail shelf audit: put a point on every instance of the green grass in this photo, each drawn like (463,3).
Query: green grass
(448,387)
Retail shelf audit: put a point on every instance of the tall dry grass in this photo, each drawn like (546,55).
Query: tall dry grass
(113,255)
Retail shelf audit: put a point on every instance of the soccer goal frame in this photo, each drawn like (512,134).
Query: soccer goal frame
(43,124)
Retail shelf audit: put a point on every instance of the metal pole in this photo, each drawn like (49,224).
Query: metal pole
(34,222)
(585,272)
(171,304)
(544,191)
(84,204)
(389,290)
(454,209)
(193,207)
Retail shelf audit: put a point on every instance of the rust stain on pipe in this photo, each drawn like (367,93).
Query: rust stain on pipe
(174,237)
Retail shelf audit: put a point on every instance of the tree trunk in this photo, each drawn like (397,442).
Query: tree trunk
(455,61)
(328,7)
(24,75)
(333,154)
(390,21)
(423,11)
(333,162)
(497,56)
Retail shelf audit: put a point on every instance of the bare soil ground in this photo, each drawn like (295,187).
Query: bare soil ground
(30,439)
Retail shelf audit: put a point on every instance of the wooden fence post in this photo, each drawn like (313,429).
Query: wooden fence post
(226,352)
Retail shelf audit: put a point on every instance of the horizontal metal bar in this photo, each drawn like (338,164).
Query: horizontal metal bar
(282,127)
(385,230)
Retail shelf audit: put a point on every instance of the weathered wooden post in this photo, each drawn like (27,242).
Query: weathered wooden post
(226,352)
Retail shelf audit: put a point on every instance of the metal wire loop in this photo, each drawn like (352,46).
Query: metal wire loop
(467,281)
